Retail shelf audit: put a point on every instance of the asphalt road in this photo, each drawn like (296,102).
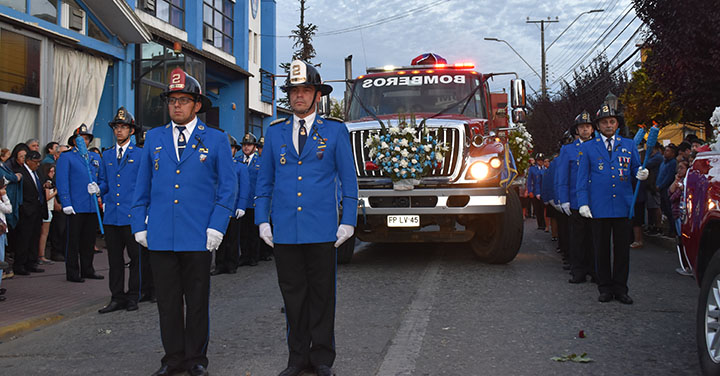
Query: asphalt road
(426,309)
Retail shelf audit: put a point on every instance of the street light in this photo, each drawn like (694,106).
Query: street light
(612,101)
(516,53)
(571,23)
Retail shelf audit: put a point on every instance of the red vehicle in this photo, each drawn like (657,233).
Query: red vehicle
(463,201)
(701,242)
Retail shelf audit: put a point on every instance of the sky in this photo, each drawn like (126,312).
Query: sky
(393,32)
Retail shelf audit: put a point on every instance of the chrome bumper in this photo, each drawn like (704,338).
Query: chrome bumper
(481,201)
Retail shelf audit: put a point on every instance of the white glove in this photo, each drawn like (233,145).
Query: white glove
(642,174)
(104,208)
(141,238)
(537,197)
(344,233)
(556,206)
(585,211)
(565,206)
(239,213)
(68,210)
(266,233)
(93,188)
(214,238)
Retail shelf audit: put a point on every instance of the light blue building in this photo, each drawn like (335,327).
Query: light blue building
(67,62)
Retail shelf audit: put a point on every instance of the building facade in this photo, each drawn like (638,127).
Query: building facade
(76,61)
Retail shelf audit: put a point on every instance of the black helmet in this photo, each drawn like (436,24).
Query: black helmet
(261,142)
(249,139)
(233,142)
(604,112)
(304,74)
(582,118)
(181,82)
(79,131)
(122,116)
(539,156)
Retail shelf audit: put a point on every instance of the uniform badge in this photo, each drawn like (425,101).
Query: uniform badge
(96,163)
(283,151)
(203,157)
(130,161)
(319,154)
(201,127)
(600,166)
(156,164)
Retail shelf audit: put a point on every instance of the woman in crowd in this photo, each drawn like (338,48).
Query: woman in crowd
(47,177)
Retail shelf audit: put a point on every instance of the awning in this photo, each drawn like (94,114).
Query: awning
(120,19)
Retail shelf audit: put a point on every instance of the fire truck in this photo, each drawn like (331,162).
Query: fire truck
(465,200)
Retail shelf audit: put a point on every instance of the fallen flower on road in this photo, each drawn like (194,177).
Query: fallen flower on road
(572,358)
(581,334)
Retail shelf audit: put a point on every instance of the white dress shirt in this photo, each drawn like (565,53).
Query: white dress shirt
(309,120)
(612,141)
(189,128)
(119,148)
(32,174)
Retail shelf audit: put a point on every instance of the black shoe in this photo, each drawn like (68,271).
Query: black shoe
(198,370)
(605,297)
(2,298)
(21,271)
(292,371)
(59,258)
(248,262)
(3,290)
(93,276)
(147,298)
(216,272)
(578,279)
(324,371)
(231,271)
(266,258)
(167,371)
(112,306)
(34,269)
(624,298)
(132,305)
(76,279)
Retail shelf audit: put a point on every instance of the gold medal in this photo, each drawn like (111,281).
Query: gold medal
(282,160)
(600,167)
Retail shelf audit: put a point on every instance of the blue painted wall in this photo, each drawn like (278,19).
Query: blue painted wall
(106,110)
(268,53)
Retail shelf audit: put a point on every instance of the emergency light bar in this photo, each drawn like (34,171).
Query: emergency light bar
(392,68)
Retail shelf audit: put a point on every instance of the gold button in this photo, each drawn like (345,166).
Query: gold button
(299,162)
(299,177)
(613,195)
(128,215)
(118,204)
(612,168)
(118,185)
(177,186)
(117,195)
(176,201)
(299,208)
(299,194)
(613,176)
(118,175)
(177,171)
(613,185)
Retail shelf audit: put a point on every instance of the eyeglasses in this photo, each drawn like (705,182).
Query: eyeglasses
(182,100)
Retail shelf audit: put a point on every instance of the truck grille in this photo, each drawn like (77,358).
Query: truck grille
(450,136)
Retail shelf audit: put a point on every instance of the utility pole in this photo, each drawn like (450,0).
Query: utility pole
(543,83)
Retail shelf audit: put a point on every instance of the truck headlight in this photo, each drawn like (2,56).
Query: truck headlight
(495,162)
(479,170)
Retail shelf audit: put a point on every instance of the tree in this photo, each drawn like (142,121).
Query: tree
(303,44)
(337,108)
(684,53)
(646,103)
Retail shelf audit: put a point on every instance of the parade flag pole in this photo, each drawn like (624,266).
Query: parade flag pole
(82,148)
(651,141)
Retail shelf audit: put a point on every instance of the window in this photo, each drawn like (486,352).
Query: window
(95,32)
(218,24)
(267,86)
(44,9)
(19,5)
(20,65)
(170,11)
(255,125)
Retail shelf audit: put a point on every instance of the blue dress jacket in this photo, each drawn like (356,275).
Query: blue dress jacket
(182,199)
(300,190)
(566,174)
(243,196)
(547,189)
(117,184)
(253,169)
(604,182)
(72,179)
(535,180)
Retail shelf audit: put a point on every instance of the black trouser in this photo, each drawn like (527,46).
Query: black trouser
(27,238)
(306,275)
(118,239)
(58,237)
(81,230)
(582,254)
(147,286)
(227,257)
(563,232)
(539,210)
(182,279)
(249,237)
(612,276)
(667,210)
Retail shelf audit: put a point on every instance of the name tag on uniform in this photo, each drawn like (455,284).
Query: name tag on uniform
(130,161)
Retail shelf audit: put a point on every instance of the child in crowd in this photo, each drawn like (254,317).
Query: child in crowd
(5,208)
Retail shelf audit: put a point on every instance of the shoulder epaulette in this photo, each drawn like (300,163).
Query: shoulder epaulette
(277,121)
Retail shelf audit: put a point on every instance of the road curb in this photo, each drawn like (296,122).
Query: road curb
(29,324)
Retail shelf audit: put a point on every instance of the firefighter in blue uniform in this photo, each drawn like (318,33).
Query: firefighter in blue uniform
(77,191)
(304,160)
(534,186)
(227,255)
(249,233)
(582,261)
(183,201)
(117,182)
(604,190)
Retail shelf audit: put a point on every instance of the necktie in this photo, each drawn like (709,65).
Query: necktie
(37,185)
(302,136)
(609,147)
(181,140)
(120,154)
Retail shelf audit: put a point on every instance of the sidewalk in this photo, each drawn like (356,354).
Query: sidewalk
(45,298)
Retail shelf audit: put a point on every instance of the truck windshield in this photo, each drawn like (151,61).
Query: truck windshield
(412,94)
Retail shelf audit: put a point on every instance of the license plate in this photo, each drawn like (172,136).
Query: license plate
(403,221)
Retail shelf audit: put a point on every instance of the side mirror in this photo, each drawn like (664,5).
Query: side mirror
(324,105)
(517,93)
(519,115)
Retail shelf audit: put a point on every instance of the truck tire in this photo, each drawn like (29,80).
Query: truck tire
(346,250)
(498,237)
(708,322)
